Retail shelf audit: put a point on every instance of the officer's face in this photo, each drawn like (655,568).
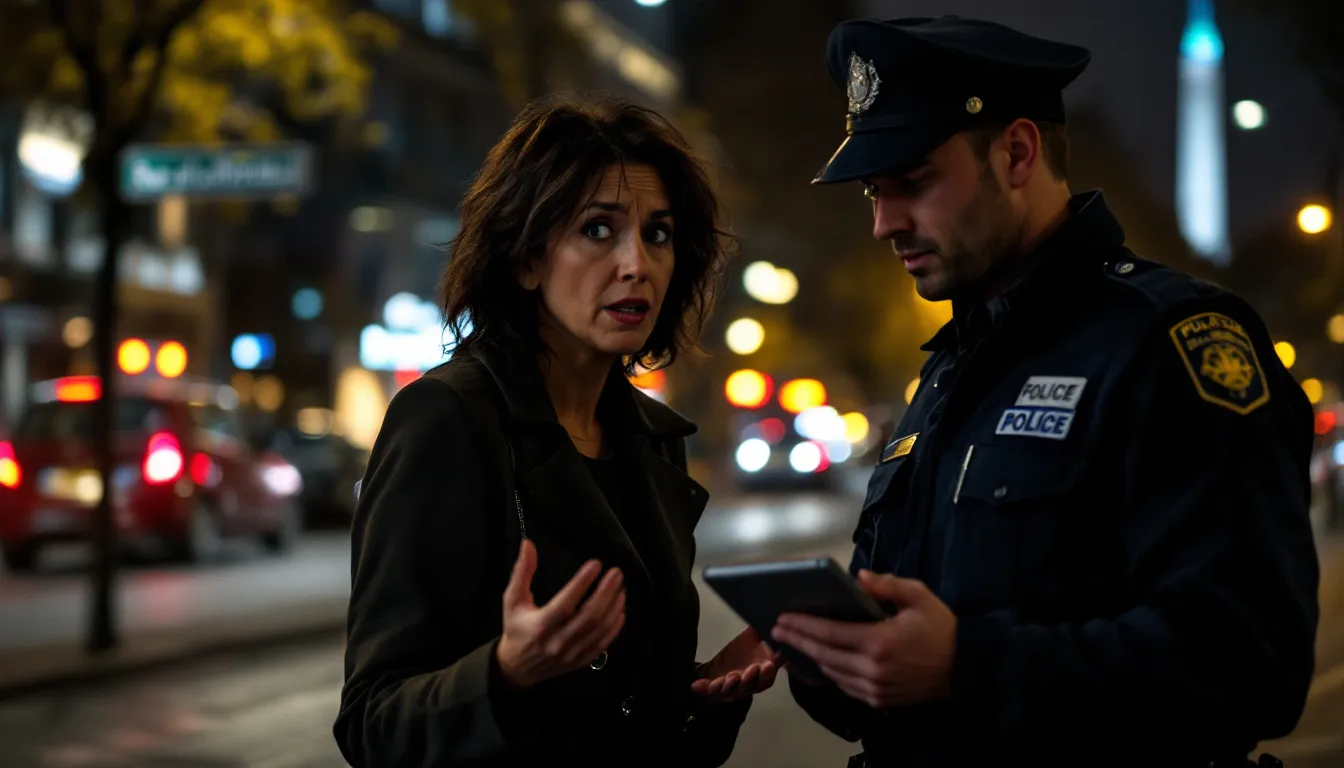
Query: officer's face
(605,273)
(949,220)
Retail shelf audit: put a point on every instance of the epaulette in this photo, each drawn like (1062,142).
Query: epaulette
(1163,286)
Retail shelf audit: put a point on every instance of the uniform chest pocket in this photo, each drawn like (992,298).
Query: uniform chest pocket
(886,475)
(1009,477)
(883,504)
(1011,508)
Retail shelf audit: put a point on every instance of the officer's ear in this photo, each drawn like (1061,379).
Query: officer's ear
(1022,139)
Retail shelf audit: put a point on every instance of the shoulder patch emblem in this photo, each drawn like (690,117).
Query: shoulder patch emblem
(1221,361)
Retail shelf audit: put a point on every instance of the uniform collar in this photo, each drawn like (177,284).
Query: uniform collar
(1087,238)
(519,378)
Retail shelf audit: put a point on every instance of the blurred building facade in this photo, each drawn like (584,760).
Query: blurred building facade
(51,249)
(1201,149)
(370,241)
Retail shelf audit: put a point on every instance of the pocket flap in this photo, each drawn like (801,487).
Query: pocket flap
(1001,474)
(881,479)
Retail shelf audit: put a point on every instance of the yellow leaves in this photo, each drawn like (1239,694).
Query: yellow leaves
(312,52)
(196,106)
(251,123)
(372,29)
(185,47)
(66,76)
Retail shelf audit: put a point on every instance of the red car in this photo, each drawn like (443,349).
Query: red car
(184,477)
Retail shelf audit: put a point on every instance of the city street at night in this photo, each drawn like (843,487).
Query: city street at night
(1050,291)
(272,707)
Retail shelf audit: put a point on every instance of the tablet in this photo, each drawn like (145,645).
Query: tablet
(818,586)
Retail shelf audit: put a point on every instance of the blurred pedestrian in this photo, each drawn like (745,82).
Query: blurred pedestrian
(1092,521)
(523,542)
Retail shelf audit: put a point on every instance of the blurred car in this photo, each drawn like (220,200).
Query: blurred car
(183,476)
(330,467)
(1327,469)
(772,455)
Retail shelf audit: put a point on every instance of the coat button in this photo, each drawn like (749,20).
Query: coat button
(628,706)
(1124,267)
(1001,491)
(599,661)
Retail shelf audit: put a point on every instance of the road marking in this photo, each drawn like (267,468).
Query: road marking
(1308,746)
(1327,682)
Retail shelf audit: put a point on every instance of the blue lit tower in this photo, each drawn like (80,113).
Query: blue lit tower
(1201,159)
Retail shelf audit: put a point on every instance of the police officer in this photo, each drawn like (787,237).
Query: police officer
(1092,520)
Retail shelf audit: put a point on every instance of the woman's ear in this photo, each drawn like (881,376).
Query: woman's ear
(529,277)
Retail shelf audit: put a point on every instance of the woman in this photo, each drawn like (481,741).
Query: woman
(523,544)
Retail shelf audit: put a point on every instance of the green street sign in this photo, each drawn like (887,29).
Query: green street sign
(235,171)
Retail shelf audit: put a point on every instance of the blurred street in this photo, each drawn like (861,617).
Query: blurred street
(233,231)
(274,707)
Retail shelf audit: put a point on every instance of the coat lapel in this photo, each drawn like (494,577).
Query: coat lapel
(557,490)
(675,503)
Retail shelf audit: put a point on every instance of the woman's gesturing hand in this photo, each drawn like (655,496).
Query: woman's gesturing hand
(542,642)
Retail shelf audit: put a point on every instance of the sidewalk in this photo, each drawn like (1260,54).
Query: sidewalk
(170,615)
(177,615)
(35,668)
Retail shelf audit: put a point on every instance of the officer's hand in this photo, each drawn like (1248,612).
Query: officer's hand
(906,659)
(542,642)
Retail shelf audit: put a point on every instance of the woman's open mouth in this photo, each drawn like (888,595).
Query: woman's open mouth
(628,311)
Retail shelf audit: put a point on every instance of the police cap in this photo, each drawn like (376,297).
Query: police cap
(913,83)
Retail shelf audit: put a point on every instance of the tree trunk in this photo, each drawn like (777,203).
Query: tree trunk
(103,635)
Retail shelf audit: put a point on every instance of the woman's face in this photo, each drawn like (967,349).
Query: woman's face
(604,274)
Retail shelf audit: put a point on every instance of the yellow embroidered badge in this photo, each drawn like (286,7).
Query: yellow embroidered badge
(1221,360)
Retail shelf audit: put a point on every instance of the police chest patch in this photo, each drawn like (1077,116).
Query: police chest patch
(899,447)
(1045,408)
(1221,360)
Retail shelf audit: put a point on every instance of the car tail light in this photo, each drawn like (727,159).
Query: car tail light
(163,460)
(200,469)
(78,389)
(10,474)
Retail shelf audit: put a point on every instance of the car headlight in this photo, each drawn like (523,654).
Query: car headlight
(282,479)
(807,457)
(753,454)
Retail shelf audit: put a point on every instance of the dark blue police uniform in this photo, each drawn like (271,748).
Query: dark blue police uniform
(1103,473)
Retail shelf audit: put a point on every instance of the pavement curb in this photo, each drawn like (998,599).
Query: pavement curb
(45,668)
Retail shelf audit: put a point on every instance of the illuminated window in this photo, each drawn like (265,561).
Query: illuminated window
(437,17)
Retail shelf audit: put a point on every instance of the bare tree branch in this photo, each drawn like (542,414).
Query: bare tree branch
(136,39)
(145,104)
(84,50)
(139,39)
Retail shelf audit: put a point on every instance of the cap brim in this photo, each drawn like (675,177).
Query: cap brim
(875,153)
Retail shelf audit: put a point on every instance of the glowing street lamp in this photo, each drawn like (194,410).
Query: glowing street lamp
(1314,219)
(1335,328)
(745,336)
(1287,354)
(769,284)
(1248,115)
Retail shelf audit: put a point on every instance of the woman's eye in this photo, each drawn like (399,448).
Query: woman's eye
(660,236)
(597,231)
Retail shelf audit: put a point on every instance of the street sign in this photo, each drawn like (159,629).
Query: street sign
(152,171)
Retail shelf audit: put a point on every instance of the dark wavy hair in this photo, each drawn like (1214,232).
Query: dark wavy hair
(533,182)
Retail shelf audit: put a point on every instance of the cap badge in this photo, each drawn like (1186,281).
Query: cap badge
(863,82)
(974,105)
